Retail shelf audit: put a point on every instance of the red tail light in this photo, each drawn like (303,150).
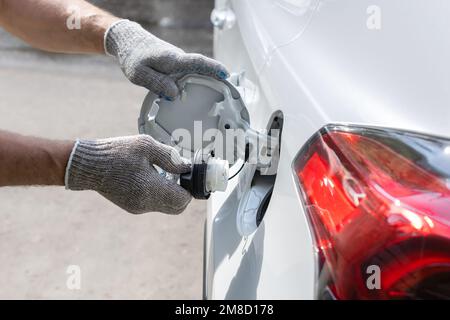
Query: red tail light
(380,198)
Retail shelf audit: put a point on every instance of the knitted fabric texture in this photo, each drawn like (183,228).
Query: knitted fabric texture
(121,170)
(152,63)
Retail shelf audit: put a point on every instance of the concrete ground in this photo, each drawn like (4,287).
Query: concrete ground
(45,230)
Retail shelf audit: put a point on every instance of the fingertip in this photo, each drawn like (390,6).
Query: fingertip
(185,168)
(222,74)
(184,200)
(177,199)
(179,168)
(200,64)
(170,92)
(170,160)
(162,96)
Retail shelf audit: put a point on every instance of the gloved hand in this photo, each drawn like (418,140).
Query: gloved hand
(153,63)
(121,169)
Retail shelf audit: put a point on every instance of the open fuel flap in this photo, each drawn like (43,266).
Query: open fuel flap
(209,120)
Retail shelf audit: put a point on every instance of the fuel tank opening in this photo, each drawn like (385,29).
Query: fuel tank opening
(257,193)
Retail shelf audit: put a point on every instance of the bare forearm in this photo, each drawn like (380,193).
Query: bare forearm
(43,24)
(32,161)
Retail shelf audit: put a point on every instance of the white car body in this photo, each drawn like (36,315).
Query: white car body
(379,63)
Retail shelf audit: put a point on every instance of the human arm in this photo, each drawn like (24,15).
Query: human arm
(145,59)
(32,161)
(120,169)
(43,24)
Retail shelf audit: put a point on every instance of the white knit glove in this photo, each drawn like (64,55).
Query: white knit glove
(152,63)
(121,169)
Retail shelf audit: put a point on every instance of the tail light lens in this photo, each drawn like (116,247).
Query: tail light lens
(378,202)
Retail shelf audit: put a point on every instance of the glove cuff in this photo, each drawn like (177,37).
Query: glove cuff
(121,33)
(87,165)
(69,164)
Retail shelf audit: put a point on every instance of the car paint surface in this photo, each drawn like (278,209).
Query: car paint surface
(319,62)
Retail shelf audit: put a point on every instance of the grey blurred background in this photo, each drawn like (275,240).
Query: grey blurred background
(44,230)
